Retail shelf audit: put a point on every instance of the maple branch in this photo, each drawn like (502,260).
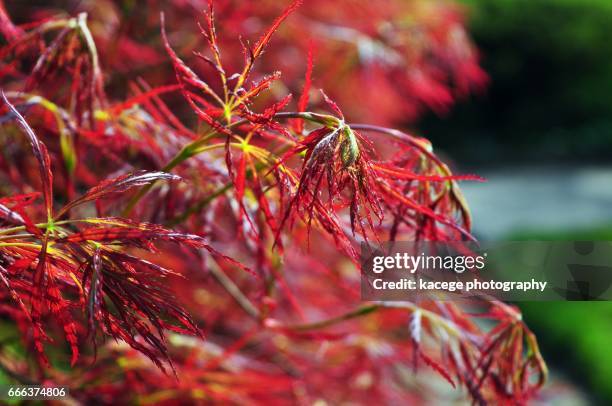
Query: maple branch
(235,292)
(365,309)
(195,147)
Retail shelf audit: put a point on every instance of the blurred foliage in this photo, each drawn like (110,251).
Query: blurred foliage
(575,336)
(550,98)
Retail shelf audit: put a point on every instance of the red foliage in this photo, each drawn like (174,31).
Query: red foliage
(154,207)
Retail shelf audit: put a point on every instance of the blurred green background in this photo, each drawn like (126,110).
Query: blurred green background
(542,135)
(550,97)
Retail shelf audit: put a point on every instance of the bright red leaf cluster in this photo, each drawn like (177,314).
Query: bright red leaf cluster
(210,223)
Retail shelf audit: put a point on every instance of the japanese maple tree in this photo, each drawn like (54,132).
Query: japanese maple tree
(197,240)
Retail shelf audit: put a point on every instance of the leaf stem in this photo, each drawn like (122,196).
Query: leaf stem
(234,291)
(187,152)
(358,312)
(365,309)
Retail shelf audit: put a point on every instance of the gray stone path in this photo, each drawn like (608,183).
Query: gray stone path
(532,198)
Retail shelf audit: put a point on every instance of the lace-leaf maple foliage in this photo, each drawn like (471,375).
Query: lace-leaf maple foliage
(223,249)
